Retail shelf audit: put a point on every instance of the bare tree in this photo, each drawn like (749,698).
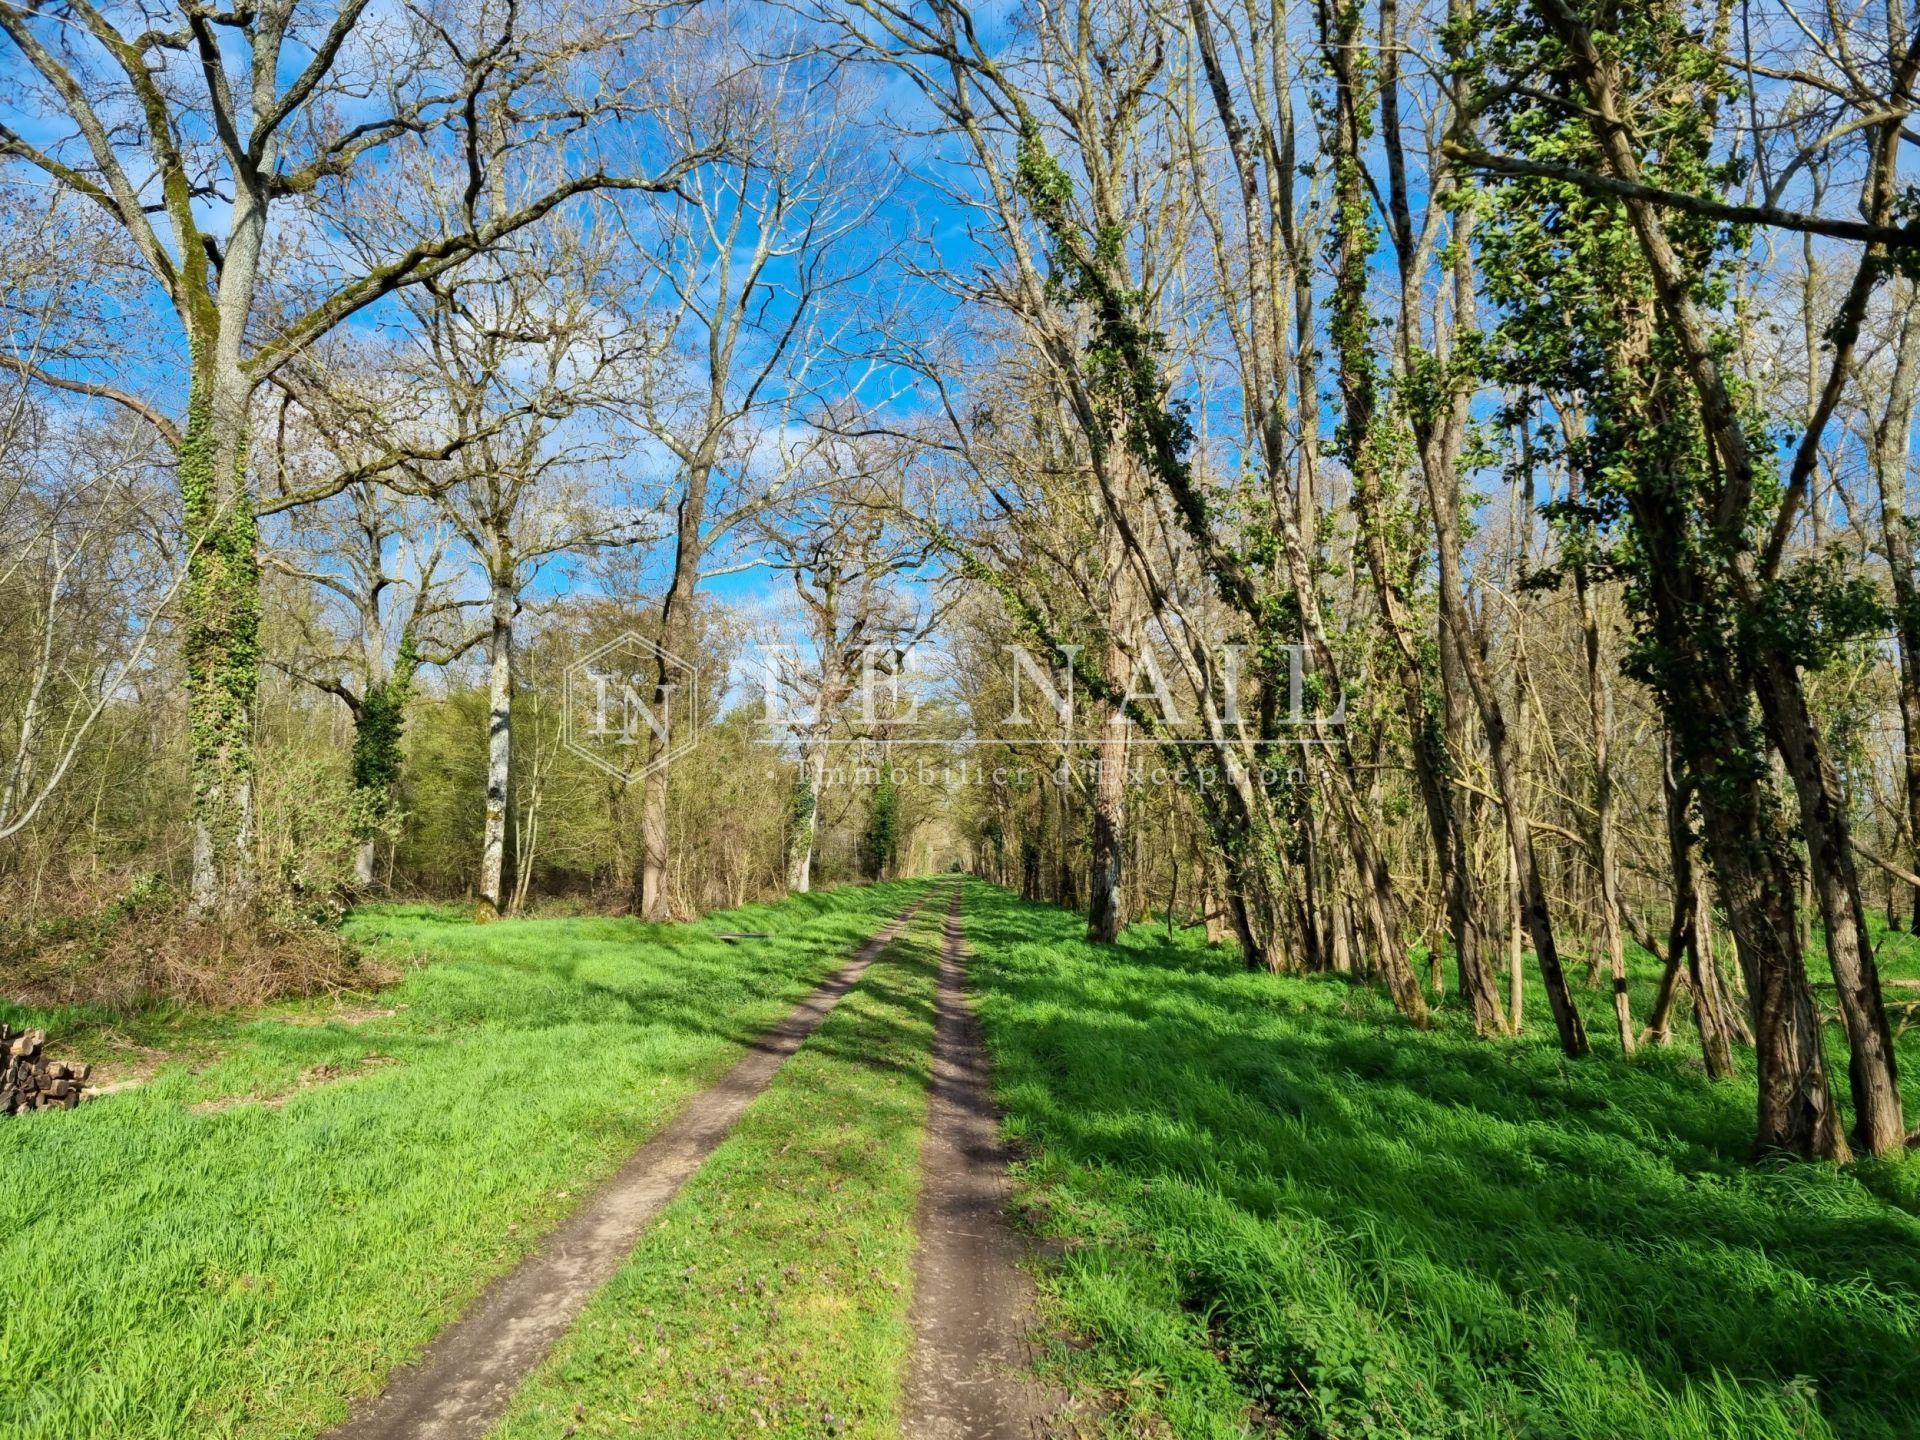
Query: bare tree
(191,130)
(527,355)
(751,279)
(850,564)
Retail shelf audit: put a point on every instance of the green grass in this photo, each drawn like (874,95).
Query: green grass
(772,1295)
(179,1266)
(1282,1208)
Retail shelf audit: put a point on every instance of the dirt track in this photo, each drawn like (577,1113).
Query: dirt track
(970,1376)
(465,1379)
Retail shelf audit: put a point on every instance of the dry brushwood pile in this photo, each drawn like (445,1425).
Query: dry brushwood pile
(30,1081)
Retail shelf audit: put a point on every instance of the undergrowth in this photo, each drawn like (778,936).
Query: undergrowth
(137,949)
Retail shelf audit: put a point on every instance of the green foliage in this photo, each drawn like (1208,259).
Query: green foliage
(1818,608)
(311,823)
(1603,383)
(442,792)
(221,639)
(879,845)
(1282,1210)
(381,723)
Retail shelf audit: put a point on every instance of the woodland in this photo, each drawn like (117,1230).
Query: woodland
(1206,710)
(1441,467)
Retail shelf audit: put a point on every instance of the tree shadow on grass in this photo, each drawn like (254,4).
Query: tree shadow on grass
(1395,1229)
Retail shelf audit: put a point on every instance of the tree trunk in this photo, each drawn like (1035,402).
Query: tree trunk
(806,815)
(1891,455)
(1688,932)
(1720,756)
(1516,967)
(1681,929)
(1705,691)
(493,846)
(1063,842)
(221,633)
(1659,1029)
(1906,598)
(676,638)
(1600,712)
(1879,1125)
(1104,899)
(221,603)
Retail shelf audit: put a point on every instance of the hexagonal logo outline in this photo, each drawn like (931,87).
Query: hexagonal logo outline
(581,671)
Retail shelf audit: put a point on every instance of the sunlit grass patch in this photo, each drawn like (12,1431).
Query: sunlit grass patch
(772,1296)
(1282,1207)
(199,1268)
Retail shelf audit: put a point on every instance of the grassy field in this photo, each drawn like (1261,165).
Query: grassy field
(772,1295)
(1281,1208)
(304,1195)
(1275,1208)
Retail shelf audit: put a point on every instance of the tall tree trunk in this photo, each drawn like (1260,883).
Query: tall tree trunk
(1064,841)
(1104,899)
(1879,1124)
(493,845)
(1906,599)
(1891,455)
(1706,695)
(806,815)
(1720,755)
(221,633)
(221,603)
(1106,904)
(1516,954)
(1600,713)
(676,638)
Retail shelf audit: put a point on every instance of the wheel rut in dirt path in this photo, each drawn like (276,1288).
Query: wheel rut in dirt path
(464,1380)
(970,1375)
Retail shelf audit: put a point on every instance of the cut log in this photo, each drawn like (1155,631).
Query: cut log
(30,1081)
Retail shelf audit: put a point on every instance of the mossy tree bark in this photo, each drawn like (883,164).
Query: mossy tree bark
(221,647)
(1106,904)
(1790,1113)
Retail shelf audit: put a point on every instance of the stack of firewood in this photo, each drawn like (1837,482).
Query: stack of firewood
(30,1081)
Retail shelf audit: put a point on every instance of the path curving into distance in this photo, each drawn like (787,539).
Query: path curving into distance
(464,1380)
(970,1375)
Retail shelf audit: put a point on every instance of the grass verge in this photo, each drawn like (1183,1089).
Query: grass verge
(771,1296)
(237,1247)
(1284,1210)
